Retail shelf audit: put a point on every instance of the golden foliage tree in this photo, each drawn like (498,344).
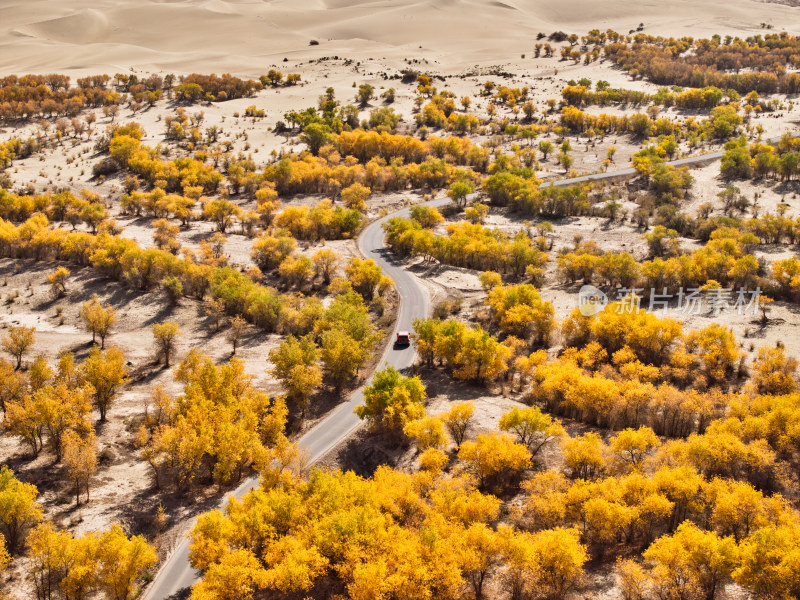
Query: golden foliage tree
(533,429)
(105,371)
(98,318)
(458,421)
(392,400)
(165,335)
(295,364)
(80,458)
(220,427)
(18,509)
(355,196)
(58,281)
(495,460)
(18,341)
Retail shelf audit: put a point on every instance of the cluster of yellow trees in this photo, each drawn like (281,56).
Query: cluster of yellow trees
(340,335)
(157,203)
(329,173)
(440,113)
(413,536)
(124,260)
(126,148)
(721,123)
(366,145)
(46,96)
(380,161)
(342,331)
(422,535)
(437,532)
(30,96)
(640,124)
(322,221)
(724,261)
(521,193)
(626,369)
(61,206)
(216,88)
(216,431)
(108,563)
(772,228)
(586,262)
(16,148)
(277,250)
(625,388)
(580,93)
(756,63)
(470,353)
(50,408)
(743,160)
(468,245)
(519,311)
(221,211)
(697,533)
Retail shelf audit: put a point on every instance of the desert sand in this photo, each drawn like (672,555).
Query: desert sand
(464,41)
(244,36)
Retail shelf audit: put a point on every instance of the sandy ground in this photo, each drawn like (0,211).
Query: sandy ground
(27,301)
(248,35)
(464,42)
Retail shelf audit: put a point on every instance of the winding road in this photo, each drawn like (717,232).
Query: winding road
(176,574)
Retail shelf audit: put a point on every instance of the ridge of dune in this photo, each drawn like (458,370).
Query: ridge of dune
(218,6)
(504,5)
(82,27)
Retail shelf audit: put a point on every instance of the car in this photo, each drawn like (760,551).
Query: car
(403,339)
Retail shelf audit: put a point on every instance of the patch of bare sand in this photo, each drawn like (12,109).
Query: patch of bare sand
(219,35)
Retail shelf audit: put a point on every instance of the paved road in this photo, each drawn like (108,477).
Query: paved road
(689,161)
(630,171)
(176,575)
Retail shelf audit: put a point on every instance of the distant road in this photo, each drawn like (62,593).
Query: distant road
(689,161)
(630,171)
(176,574)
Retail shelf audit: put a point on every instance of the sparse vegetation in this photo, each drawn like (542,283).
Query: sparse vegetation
(535,450)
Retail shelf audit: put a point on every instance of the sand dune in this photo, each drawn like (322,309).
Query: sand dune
(85,26)
(246,35)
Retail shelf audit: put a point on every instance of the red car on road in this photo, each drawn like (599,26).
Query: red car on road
(403,339)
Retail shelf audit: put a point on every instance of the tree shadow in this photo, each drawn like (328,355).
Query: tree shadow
(146,374)
(182,594)
(367,450)
(81,351)
(166,310)
(319,405)
(438,382)
(198,236)
(108,290)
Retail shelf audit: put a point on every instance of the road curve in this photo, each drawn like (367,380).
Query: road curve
(176,575)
